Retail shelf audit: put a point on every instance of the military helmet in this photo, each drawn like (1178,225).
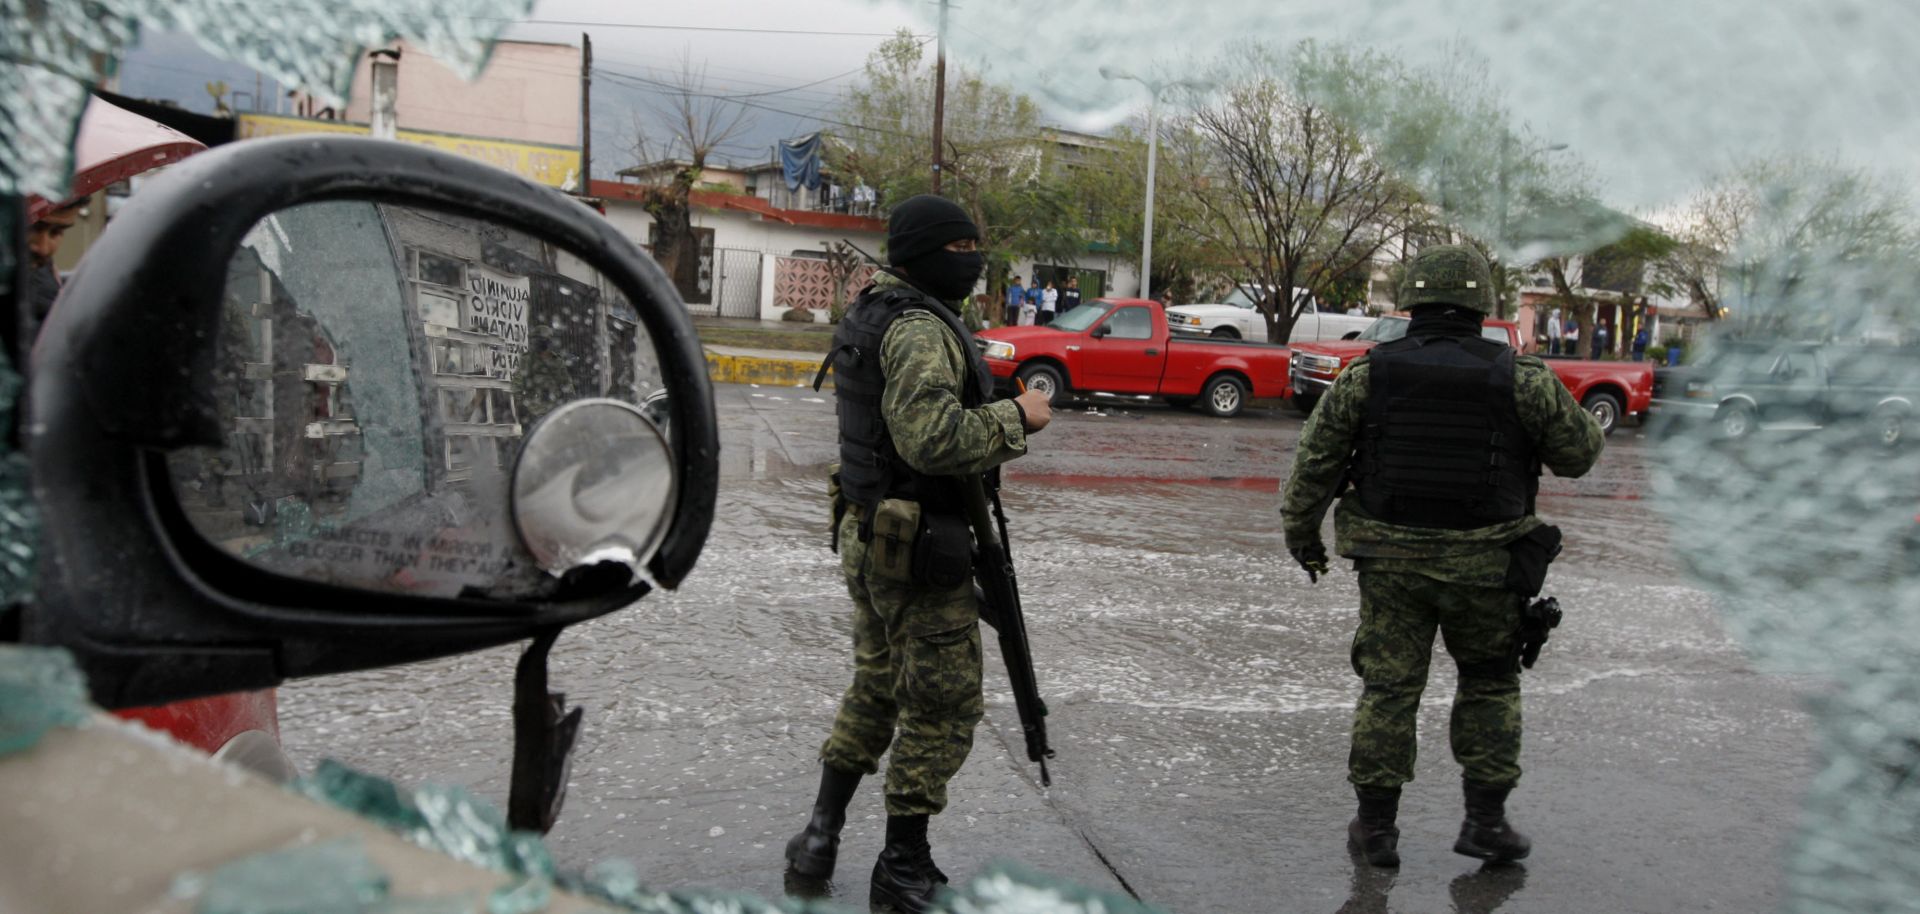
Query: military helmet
(1448,274)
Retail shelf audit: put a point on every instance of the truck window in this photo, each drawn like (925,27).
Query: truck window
(1130,324)
(1496,334)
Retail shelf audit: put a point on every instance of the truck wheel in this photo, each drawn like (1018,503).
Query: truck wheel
(1045,379)
(1605,409)
(1735,420)
(1305,403)
(1225,396)
(1225,333)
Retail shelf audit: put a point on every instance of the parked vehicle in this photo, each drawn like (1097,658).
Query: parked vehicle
(1744,386)
(1610,391)
(1122,346)
(1237,318)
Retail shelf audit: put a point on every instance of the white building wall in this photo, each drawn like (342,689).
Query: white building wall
(744,231)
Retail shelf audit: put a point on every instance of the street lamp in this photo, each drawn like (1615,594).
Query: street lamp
(1154,88)
(1500,240)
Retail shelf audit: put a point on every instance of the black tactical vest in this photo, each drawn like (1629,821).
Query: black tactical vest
(1441,444)
(870,468)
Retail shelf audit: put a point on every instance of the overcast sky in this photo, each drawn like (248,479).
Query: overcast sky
(1654,94)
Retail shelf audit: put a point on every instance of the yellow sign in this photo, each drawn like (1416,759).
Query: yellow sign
(556,166)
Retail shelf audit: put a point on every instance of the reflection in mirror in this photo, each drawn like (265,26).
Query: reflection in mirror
(375,373)
(594,483)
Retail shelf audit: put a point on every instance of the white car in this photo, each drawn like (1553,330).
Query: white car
(1238,319)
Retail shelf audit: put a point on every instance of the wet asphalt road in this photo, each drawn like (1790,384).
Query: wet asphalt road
(1200,690)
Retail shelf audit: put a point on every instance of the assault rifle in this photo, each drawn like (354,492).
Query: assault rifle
(999,595)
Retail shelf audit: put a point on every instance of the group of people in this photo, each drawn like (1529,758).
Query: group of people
(1033,305)
(1563,337)
(1441,544)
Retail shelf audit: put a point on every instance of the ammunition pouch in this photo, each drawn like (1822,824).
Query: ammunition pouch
(1528,558)
(943,555)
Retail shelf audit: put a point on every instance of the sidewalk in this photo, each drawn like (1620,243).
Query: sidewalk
(767,367)
(770,353)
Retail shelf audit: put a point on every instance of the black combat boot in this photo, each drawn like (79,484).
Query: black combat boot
(904,878)
(811,852)
(1486,834)
(1372,833)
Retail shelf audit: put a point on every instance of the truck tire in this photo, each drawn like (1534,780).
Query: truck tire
(1225,333)
(1735,420)
(1304,403)
(1224,396)
(1045,379)
(1605,409)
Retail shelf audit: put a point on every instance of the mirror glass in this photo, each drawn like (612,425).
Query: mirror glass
(595,482)
(377,370)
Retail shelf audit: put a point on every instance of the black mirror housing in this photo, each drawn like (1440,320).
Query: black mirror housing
(124,374)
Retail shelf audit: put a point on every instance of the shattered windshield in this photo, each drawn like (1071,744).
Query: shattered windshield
(1704,210)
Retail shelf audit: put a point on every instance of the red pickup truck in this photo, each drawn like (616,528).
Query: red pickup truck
(1121,346)
(1608,390)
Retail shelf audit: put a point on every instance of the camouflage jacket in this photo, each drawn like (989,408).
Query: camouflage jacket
(925,370)
(1566,439)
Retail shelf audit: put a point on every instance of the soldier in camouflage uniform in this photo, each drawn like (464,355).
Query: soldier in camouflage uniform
(543,382)
(1442,435)
(913,400)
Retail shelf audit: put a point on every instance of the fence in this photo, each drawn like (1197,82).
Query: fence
(803,282)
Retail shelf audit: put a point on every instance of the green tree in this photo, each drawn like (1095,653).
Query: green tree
(998,162)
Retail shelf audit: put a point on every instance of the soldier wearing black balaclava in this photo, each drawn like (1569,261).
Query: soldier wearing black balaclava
(913,403)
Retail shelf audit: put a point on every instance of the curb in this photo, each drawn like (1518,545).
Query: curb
(769,371)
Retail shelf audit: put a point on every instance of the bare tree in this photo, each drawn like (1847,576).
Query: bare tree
(1287,190)
(689,125)
(1793,244)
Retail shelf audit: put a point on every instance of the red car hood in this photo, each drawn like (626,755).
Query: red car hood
(1018,335)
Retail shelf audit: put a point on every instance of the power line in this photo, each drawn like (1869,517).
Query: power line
(583,23)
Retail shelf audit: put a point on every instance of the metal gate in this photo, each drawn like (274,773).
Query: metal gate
(739,281)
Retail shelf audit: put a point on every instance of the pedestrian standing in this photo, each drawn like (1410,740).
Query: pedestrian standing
(915,423)
(1444,464)
(1641,338)
(1570,341)
(1049,303)
(44,236)
(1070,296)
(1601,335)
(1554,331)
(1016,295)
(1029,312)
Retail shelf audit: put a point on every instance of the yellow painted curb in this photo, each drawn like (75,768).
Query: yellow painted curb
(763,370)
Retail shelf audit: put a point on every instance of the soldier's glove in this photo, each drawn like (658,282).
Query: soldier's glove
(1312,557)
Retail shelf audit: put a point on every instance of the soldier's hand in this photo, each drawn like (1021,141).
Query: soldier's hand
(1313,558)
(1036,408)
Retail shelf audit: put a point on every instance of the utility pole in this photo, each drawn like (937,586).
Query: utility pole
(939,94)
(1154,88)
(586,115)
(384,115)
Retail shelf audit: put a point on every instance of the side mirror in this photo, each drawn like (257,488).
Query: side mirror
(1102,332)
(1350,335)
(323,404)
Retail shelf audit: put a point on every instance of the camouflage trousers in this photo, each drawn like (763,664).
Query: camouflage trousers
(1391,652)
(916,670)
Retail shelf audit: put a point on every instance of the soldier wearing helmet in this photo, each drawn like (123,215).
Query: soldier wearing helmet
(1433,445)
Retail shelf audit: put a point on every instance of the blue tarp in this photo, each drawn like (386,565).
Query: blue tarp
(800,159)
